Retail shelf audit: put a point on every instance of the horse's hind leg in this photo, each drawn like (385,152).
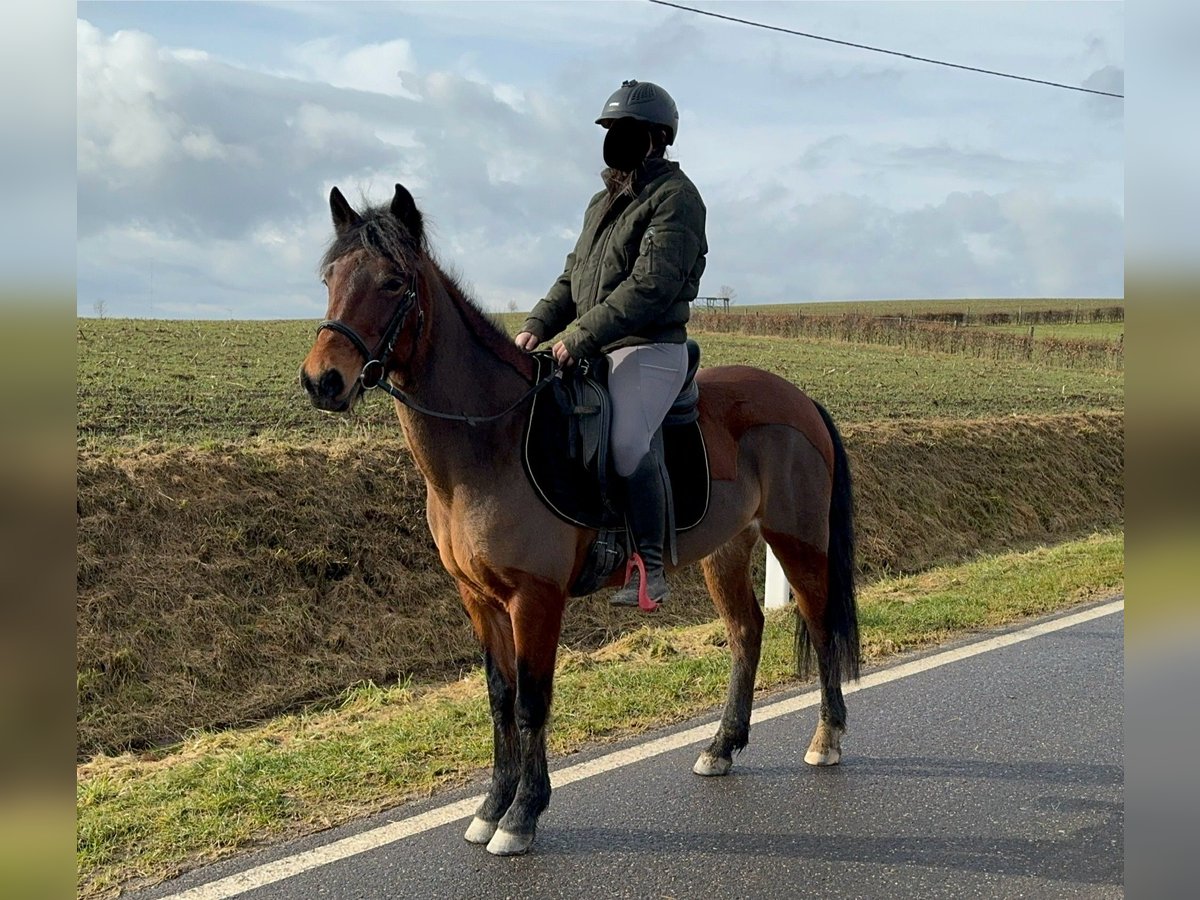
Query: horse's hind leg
(494,630)
(807,571)
(727,574)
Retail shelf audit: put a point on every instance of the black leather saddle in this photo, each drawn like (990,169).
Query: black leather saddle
(566,447)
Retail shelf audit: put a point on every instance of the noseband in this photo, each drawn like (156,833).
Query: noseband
(374,370)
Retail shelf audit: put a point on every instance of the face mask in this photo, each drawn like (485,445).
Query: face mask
(626,144)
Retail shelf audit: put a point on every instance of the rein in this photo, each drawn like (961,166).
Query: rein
(374,370)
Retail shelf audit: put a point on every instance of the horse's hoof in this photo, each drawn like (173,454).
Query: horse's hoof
(509,843)
(830,757)
(480,831)
(712,765)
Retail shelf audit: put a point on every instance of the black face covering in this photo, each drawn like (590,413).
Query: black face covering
(626,144)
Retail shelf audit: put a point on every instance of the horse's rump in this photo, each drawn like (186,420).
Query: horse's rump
(734,399)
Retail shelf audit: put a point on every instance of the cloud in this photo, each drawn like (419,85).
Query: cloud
(208,155)
(841,246)
(376,68)
(203,179)
(1112,80)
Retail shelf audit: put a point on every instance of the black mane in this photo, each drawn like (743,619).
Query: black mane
(382,234)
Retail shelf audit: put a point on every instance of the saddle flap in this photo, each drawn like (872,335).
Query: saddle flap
(588,411)
(566,454)
(686,408)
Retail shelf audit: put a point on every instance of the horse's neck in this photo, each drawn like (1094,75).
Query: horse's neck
(458,374)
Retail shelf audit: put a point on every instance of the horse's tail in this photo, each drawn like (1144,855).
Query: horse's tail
(841,610)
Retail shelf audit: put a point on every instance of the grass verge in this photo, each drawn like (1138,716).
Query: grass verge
(147,817)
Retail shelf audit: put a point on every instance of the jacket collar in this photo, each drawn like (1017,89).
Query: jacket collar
(655,168)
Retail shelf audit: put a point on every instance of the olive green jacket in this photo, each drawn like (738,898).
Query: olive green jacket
(634,270)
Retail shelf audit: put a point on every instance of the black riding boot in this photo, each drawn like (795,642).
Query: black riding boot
(646,511)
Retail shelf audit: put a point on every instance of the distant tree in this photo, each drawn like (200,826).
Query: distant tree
(100,307)
(512,306)
(728,293)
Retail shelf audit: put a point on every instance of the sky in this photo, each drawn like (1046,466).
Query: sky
(209,135)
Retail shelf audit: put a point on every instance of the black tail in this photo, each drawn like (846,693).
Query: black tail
(841,610)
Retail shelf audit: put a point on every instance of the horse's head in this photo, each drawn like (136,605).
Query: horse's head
(370,270)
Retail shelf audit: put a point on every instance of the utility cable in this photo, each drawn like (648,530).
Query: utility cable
(924,59)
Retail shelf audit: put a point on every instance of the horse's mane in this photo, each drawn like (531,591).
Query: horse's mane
(382,234)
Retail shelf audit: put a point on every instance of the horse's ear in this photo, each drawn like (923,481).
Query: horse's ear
(344,216)
(405,209)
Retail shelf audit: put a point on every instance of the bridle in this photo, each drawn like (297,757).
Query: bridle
(374,371)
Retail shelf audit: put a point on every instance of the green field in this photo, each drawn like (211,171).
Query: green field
(1088,331)
(189,382)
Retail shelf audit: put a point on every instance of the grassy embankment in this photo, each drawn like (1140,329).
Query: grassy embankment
(144,818)
(220,586)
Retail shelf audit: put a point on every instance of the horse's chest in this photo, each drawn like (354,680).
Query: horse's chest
(463,537)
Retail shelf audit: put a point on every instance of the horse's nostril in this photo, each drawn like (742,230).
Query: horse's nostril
(331,384)
(307,383)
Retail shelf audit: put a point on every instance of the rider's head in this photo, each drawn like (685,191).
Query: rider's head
(641,119)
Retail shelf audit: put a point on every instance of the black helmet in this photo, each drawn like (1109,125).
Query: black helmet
(641,100)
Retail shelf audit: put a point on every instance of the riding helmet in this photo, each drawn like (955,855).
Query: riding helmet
(641,100)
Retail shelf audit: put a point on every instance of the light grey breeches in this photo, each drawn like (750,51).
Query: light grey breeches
(643,382)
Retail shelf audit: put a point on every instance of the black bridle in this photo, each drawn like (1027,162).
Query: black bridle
(374,371)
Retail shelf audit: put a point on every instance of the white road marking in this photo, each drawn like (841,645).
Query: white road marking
(271,872)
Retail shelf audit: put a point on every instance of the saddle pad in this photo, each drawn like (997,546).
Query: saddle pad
(572,492)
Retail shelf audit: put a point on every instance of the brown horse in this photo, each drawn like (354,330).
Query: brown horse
(397,321)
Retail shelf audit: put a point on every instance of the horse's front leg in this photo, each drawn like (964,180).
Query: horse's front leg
(494,630)
(536,614)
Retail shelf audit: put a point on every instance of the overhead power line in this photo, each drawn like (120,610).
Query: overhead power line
(924,59)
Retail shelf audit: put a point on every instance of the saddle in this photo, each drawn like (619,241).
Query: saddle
(566,458)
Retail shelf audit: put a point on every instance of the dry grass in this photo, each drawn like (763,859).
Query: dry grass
(223,585)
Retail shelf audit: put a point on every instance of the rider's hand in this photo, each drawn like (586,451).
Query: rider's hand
(562,355)
(527,340)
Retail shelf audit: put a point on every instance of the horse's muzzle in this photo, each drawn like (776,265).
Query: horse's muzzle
(326,393)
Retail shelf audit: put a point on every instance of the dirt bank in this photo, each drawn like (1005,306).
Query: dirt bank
(221,585)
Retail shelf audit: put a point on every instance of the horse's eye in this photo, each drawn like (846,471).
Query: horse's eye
(394,285)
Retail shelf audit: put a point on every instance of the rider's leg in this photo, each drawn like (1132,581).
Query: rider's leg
(643,381)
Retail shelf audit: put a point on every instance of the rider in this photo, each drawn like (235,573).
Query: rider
(627,285)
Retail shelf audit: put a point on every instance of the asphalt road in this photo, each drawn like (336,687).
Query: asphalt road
(997,775)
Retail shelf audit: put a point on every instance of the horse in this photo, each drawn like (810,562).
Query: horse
(396,320)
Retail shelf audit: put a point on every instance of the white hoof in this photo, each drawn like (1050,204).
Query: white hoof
(480,831)
(712,765)
(508,843)
(823,757)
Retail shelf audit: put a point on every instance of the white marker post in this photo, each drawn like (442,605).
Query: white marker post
(778,592)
